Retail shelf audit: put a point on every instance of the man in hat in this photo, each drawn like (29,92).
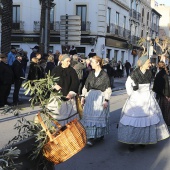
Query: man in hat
(18,77)
(11,56)
(6,80)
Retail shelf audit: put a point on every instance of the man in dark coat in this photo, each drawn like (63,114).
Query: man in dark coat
(73,50)
(92,53)
(18,74)
(127,67)
(6,80)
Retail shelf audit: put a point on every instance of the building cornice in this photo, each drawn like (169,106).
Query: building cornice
(146,4)
(121,4)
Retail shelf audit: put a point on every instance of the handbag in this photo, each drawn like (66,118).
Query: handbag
(79,106)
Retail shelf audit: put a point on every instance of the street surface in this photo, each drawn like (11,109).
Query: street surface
(108,154)
(112,155)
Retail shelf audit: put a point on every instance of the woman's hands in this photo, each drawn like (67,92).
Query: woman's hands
(168,98)
(69,96)
(105,104)
(82,101)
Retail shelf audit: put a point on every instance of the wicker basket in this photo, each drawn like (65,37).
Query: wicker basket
(69,140)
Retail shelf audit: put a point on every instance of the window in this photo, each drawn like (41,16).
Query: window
(52,19)
(81,10)
(115,55)
(142,15)
(147,18)
(122,56)
(16,17)
(124,22)
(117,18)
(108,19)
(142,33)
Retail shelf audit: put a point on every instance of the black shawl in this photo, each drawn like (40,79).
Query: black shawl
(68,79)
(101,82)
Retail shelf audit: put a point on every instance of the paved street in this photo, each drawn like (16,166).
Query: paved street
(108,154)
(112,155)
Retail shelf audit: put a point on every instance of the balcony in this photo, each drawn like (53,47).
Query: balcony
(85,27)
(134,39)
(134,14)
(18,26)
(54,26)
(118,31)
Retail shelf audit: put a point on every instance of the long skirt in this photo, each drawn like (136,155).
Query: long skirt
(144,134)
(165,108)
(63,112)
(95,118)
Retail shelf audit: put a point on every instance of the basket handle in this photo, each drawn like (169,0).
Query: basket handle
(44,126)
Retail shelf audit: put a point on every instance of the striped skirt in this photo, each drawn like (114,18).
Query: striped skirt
(95,118)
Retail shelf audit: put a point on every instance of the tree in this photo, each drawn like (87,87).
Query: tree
(6,26)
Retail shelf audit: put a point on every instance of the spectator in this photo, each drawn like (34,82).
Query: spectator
(6,80)
(92,53)
(35,71)
(50,64)
(127,67)
(73,50)
(11,56)
(162,89)
(109,71)
(34,51)
(56,56)
(18,74)
(78,66)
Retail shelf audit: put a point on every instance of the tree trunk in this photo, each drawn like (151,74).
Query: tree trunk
(6,26)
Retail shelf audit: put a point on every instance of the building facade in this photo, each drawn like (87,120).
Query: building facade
(111,27)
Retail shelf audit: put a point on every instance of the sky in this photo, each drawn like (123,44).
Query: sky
(166,2)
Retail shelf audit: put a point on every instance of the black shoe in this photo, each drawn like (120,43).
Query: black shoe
(131,148)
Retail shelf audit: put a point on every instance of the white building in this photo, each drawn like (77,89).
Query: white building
(104,26)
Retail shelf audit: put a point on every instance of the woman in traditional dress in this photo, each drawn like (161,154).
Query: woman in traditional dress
(95,98)
(68,86)
(141,119)
(162,89)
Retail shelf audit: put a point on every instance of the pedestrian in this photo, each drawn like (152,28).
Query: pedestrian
(56,56)
(11,56)
(6,80)
(127,67)
(92,53)
(50,64)
(79,66)
(18,70)
(110,71)
(120,69)
(141,120)
(162,89)
(95,98)
(73,50)
(68,86)
(36,72)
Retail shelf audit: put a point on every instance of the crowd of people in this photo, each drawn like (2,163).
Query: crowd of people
(144,117)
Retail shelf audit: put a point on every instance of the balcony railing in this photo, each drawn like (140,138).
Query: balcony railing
(85,26)
(54,26)
(18,26)
(134,39)
(118,31)
(134,14)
